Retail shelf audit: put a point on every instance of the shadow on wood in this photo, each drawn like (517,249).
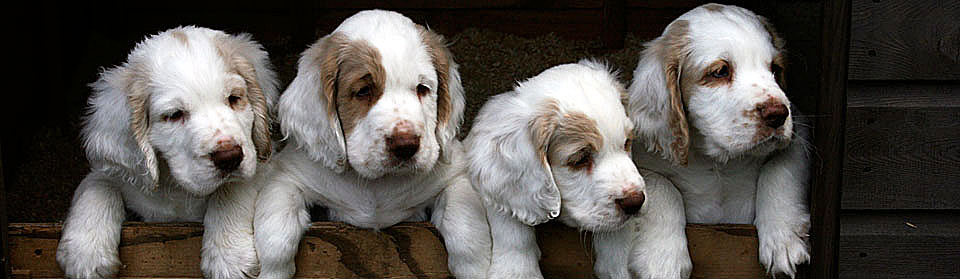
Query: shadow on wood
(336,250)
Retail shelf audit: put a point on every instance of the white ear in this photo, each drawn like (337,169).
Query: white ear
(307,109)
(250,61)
(115,132)
(507,159)
(450,95)
(655,99)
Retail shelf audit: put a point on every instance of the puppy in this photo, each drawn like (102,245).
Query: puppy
(172,134)
(371,119)
(558,146)
(713,119)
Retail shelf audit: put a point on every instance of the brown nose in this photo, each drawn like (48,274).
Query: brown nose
(773,114)
(227,157)
(403,145)
(632,203)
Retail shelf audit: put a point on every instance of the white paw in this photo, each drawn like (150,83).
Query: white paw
(782,248)
(663,265)
(224,263)
(85,260)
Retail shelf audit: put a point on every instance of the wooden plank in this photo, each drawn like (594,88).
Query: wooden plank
(902,158)
(900,245)
(903,94)
(905,40)
(828,140)
(407,250)
(4,240)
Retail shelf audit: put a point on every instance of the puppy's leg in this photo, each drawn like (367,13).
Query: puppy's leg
(228,243)
(91,233)
(613,252)
(461,219)
(515,250)
(659,247)
(782,219)
(281,219)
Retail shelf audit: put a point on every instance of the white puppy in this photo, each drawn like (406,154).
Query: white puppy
(172,134)
(371,119)
(713,119)
(556,146)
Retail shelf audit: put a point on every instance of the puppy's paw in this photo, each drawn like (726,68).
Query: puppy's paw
(85,260)
(221,261)
(782,247)
(663,265)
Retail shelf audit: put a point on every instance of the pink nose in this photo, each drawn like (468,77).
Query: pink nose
(773,114)
(227,156)
(631,203)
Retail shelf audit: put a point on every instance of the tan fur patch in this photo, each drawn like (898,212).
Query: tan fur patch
(778,43)
(675,44)
(136,81)
(562,135)
(441,58)
(713,7)
(229,49)
(357,67)
(181,37)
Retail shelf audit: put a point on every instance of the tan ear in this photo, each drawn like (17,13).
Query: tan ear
(676,43)
(137,97)
(450,95)
(261,111)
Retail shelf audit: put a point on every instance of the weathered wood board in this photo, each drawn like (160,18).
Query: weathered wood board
(335,250)
(899,245)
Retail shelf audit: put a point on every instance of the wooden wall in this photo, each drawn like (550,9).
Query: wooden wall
(900,204)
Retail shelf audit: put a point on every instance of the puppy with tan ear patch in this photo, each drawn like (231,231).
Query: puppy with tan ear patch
(713,119)
(371,119)
(173,134)
(558,146)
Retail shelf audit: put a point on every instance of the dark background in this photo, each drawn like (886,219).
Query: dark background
(899,130)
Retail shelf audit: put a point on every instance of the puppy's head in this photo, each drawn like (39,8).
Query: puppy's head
(380,93)
(196,98)
(561,139)
(720,70)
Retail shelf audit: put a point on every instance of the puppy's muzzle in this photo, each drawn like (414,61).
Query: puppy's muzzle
(227,156)
(631,203)
(773,113)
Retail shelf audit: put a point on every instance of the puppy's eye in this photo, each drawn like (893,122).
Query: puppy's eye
(627,145)
(176,116)
(363,92)
(422,90)
(581,159)
(723,72)
(233,100)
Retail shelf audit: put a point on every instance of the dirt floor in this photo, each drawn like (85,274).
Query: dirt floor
(44,165)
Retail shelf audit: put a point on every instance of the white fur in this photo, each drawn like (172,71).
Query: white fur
(733,173)
(188,69)
(353,176)
(522,188)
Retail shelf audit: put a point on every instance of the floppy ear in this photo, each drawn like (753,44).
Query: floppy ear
(250,61)
(450,95)
(780,60)
(116,130)
(507,151)
(308,108)
(656,102)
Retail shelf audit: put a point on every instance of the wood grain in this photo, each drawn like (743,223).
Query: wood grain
(406,250)
(900,245)
(828,139)
(905,40)
(4,242)
(902,157)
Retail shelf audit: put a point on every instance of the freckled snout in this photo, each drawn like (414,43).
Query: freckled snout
(773,113)
(227,156)
(631,203)
(403,143)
